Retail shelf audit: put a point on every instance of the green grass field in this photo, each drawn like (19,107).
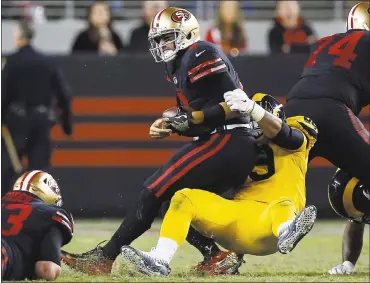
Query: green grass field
(309,262)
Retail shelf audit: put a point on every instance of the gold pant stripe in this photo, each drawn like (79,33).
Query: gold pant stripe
(348,199)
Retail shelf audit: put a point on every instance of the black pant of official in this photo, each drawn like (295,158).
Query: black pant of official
(343,140)
(31,137)
(216,163)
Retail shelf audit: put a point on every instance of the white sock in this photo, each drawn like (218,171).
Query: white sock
(283,226)
(165,249)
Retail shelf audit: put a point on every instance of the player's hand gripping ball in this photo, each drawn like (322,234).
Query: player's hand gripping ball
(179,121)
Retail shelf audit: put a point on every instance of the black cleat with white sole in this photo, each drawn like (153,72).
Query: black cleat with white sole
(144,262)
(301,225)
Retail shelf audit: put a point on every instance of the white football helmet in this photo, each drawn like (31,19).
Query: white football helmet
(172,26)
(359,16)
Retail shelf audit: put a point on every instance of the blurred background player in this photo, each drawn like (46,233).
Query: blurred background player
(290,33)
(139,36)
(334,87)
(33,228)
(223,141)
(350,199)
(31,82)
(267,215)
(229,32)
(99,37)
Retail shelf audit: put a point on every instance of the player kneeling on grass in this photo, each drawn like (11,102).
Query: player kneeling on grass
(267,214)
(350,199)
(33,228)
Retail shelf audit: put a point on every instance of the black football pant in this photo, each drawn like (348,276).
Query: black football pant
(343,140)
(31,138)
(217,163)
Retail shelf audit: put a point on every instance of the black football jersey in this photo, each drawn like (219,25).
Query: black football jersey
(190,72)
(344,60)
(24,220)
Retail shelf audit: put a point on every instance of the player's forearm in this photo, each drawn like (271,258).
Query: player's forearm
(214,115)
(270,125)
(352,242)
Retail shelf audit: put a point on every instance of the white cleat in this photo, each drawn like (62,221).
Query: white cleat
(144,262)
(294,232)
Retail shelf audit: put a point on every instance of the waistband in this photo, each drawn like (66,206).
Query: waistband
(225,128)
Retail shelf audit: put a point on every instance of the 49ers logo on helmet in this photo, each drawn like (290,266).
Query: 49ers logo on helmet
(179,15)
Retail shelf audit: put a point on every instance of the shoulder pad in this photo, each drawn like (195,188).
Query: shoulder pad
(306,126)
(64,220)
(204,59)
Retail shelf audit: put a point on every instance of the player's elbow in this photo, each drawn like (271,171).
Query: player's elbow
(47,270)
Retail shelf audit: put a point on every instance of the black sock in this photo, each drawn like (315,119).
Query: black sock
(138,220)
(203,244)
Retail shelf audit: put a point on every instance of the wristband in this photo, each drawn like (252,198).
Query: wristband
(214,115)
(257,112)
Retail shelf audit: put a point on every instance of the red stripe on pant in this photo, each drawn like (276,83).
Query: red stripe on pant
(4,258)
(182,160)
(360,128)
(191,165)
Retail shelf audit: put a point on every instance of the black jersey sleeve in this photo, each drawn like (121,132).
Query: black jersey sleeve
(64,220)
(289,138)
(50,246)
(204,62)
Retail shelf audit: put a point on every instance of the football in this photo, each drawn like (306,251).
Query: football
(168,113)
(193,131)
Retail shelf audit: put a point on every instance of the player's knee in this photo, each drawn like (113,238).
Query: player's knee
(47,270)
(182,200)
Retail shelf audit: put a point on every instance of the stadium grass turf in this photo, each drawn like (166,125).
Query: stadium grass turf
(309,262)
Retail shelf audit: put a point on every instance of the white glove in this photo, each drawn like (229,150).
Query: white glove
(238,100)
(345,268)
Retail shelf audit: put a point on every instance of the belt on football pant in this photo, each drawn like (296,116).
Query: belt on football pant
(225,128)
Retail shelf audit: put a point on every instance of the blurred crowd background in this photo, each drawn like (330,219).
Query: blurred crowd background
(113,27)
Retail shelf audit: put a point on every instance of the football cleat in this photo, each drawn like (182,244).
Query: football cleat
(222,263)
(93,262)
(290,236)
(145,262)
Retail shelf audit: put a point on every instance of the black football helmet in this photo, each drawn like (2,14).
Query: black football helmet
(270,104)
(349,198)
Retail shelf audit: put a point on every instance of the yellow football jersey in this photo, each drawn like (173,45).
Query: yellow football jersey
(280,173)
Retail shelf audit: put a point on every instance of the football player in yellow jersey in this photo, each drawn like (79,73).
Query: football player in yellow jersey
(267,215)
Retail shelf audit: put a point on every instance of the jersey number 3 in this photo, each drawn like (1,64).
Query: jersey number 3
(343,50)
(19,214)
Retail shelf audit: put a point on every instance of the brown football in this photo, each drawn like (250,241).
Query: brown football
(193,131)
(170,112)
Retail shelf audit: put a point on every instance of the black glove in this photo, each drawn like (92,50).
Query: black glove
(180,123)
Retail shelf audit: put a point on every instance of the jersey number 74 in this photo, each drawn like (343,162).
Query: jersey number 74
(343,49)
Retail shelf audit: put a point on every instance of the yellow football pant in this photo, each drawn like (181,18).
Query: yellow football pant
(245,227)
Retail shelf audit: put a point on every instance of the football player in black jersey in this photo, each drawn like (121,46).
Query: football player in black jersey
(33,228)
(334,87)
(214,160)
